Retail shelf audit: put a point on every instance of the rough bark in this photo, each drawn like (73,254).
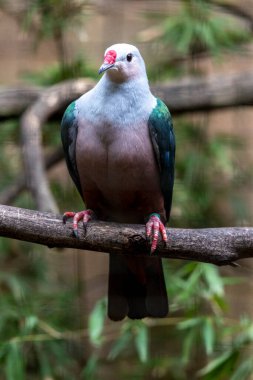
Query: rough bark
(220,246)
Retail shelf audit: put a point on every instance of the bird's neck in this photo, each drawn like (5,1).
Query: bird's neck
(114,83)
(132,96)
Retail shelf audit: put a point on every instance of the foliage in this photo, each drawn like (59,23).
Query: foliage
(218,185)
(34,319)
(36,314)
(196,29)
(56,73)
(51,19)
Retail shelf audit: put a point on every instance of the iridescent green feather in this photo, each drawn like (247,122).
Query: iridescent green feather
(163,140)
(69,128)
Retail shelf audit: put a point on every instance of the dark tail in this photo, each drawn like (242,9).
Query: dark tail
(136,288)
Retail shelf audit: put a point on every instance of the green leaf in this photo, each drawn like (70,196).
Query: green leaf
(219,364)
(96,322)
(14,366)
(14,284)
(31,321)
(189,323)
(44,361)
(220,302)
(90,368)
(141,342)
(208,335)
(189,342)
(213,279)
(121,344)
(244,370)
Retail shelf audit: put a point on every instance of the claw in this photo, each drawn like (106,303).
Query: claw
(75,233)
(154,226)
(85,215)
(67,215)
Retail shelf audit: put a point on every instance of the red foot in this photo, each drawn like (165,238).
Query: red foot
(153,227)
(85,216)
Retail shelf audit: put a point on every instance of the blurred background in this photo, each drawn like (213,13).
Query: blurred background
(53,322)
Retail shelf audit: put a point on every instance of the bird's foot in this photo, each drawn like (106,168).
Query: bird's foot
(85,216)
(153,227)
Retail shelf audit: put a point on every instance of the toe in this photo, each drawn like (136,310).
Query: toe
(75,233)
(67,215)
(163,232)
(85,216)
(149,226)
(154,226)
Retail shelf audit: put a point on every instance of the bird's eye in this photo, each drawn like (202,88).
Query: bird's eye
(129,57)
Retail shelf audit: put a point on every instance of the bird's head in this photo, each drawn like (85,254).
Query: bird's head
(122,62)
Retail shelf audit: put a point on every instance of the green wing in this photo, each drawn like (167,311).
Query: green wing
(69,129)
(163,140)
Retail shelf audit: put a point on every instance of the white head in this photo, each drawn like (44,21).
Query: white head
(123,62)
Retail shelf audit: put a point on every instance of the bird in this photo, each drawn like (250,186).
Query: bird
(119,146)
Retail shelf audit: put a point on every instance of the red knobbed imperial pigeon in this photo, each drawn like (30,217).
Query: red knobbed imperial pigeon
(119,147)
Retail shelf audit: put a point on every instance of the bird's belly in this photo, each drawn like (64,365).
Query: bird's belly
(124,175)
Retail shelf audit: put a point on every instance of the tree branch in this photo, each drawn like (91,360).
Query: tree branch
(11,192)
(15,99)
(220,246)
(32,121)
(189,94)
(197,93)
(208,93)
(239,11)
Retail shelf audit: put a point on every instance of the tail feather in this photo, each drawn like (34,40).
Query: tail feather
(136,288)
(135,293)
(117,302)
(157,300)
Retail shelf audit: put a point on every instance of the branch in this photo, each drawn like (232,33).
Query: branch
(32,121)
(219,91)
(189,94)
(15,99)
(220,246)
(236,10)
(11,192)
(208,93)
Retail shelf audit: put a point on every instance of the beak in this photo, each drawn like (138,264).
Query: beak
(104,67)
